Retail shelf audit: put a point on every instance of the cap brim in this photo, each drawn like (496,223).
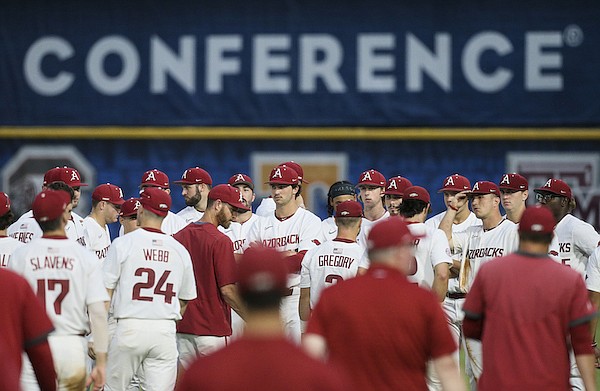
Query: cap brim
(181,182)
(250,185)
(280,183)
(451,189)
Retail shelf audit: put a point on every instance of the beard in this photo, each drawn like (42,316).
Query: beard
(192,201)
(222,219)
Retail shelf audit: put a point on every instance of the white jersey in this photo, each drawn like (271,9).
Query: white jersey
(7,246)
(329,228)
(329,263)
(171,224)
(478,246)
(577,240)
(76,231)
(431,250)
(365,228)
(25,228)
(149,272)
(66,276)
(98,237)
(190,214)
(266,207)
(301,231)
(238,233)
(593,271)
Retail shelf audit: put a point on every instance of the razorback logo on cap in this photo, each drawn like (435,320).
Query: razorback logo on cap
(366,176)
(344,213)
(505,180)
(276,174)
(413,195)
(393,185)
(449,181)
(239,178)
(150,177)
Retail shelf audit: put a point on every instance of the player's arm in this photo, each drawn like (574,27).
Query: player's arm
(232,297)
(441,273)
(98,323)
(454,204)
(584,357)
(183,306)
(448,373)
(304,304)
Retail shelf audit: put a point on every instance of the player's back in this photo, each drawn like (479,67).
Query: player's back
(153,270)
(25,228)
(8,245)
(431,250)
(577,240)
(65,276)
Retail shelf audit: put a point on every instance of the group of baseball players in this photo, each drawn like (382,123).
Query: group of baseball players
(376,290)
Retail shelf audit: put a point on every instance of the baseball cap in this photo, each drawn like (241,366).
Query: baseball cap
(193,176)
(50,205)
(396,185)
(390,232)
(485,187)
(556,186)
(537,219)
(349,208)
(283,175)
(228,194)
(130,207)
(455,182)
(371,178)
(108,192)
(155,200)
(241,179)
(68,175)
(513,181)
(261,270)
(155,178)
(298,168)
(4,203)
(416,193)
(341,188)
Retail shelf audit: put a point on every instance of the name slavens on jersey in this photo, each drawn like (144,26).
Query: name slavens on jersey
(52,262)
(485,252)
(282,241)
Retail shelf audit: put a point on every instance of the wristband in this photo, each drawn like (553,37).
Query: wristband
(453,208)
(594,344)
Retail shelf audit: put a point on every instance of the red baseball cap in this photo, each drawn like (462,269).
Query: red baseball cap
(109,193)
(155,178)
(4,203)
(390,232)
(283,175)
(155,200)
(556,186)
(228,194)
(193,176)
(349,208)
(396,185)
(130,207)
(513,181)
(68,175)
(485,187)
(455,182)
(416,193)
(50,205)
(261,270)
(241,179)
(298,168)
(537,219)
(371,178)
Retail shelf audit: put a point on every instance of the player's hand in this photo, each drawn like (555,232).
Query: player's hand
(459,200)
(289,253)
(97,378)
(597,355)
(91,351)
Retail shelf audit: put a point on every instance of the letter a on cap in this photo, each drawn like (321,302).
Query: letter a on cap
(549,183)
(74,176)
(449,182)
(393,185)
(277,173)
(476,187)
(366,177)
(505,179)
(239,178)
(150,177)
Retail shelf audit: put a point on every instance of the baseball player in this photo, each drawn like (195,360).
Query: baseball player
(335,260)
(291,230)
(394,189)
(371,184)
(128,215)
(514,191)
(267,205)
(592,283)
(338,192)
(106,204)
(195,184)
(495,237)
(7,243)
(155,178)
(207,324)
(67,278)
(150,275)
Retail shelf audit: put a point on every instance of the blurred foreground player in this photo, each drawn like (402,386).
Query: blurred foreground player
(542,310)
(263,359)
(381,328)
(7,243)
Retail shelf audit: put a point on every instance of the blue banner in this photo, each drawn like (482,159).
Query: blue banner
(299,63)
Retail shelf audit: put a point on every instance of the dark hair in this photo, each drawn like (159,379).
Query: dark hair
(95,203)
(409,208)
(299,186)
(51,225)
(535,237)
(258,301)
(60,185)
(6,220)
(347,221)
(345,186)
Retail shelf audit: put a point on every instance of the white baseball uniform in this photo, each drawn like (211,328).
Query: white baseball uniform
(149,272)
(301,231)
(25,228)
(171,224)
(329,263)
(7,246)
(478,246)
(98,237)
(431,250)
(75,229)
(365,228)
(190,214)
(592,281)
(577,240)
(67,278)
(266,207)
(329,228)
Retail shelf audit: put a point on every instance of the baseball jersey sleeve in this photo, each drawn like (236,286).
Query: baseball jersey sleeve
(224,262)
(585,238)
(364,259)
(111,267)
(440,250)
(188,283)
(592,281)
(312,233)
(305,270)
(96,292)
(581,308)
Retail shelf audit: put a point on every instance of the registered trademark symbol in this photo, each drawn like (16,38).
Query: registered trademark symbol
(573,36)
